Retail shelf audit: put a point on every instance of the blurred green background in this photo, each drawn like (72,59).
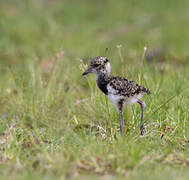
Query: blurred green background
(85,27)
(50,115)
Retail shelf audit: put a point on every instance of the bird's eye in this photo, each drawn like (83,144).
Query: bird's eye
(106,60)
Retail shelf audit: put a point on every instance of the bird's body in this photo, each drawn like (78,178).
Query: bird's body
(120,91)
(117,88)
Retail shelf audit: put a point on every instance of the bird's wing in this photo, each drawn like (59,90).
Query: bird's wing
(125,87)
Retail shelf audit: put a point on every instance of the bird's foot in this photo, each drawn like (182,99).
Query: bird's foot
(143,130)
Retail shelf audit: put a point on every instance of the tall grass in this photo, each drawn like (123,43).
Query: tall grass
(56,124)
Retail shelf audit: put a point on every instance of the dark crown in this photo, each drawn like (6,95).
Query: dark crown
(100,60)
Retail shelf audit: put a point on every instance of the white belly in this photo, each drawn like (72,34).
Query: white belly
(115,97)
(127,101)
(131,100)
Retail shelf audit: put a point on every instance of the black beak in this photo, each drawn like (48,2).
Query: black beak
(87,71)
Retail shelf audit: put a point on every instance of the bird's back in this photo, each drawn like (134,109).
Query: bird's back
(125,87)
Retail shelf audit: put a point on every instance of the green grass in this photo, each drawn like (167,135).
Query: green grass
(52,117)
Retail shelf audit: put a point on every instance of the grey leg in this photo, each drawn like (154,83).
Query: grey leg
(120,110)
(121,123)
(142,127)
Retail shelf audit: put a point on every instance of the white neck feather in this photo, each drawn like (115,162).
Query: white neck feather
(108,68)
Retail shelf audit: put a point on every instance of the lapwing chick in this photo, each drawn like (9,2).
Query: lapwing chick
(120,91)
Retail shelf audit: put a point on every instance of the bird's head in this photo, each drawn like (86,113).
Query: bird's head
(99,65)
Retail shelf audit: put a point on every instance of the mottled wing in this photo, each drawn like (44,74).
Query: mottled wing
(126,87)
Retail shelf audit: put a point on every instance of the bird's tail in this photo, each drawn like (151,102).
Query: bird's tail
(146,90)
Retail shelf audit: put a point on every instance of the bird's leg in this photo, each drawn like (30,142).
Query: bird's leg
(120,110)
(142,127)
(121,123)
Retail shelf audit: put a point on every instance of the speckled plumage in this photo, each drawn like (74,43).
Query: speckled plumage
(127,87)
(119,90)
(123,86)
